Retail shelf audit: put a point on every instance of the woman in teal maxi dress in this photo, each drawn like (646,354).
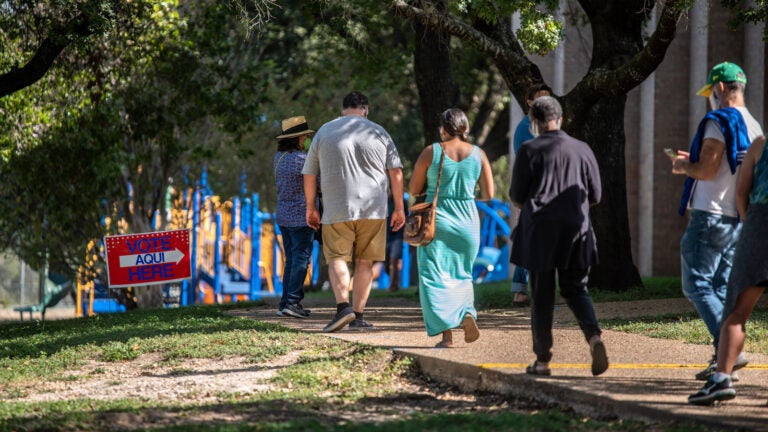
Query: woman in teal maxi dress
(446,289)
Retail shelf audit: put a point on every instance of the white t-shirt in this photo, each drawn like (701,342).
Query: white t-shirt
(718,195)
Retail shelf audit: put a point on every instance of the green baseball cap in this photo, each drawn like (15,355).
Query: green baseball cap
(724,72)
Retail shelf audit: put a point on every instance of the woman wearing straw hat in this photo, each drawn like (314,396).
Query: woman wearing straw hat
(291,213)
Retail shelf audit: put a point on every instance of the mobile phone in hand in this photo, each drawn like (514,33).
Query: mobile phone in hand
(670,153)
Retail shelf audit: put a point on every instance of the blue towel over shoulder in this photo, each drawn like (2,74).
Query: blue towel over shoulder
(734,129)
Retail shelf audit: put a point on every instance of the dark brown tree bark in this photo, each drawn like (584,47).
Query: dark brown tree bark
(438,90)
(497,141)
(603,129)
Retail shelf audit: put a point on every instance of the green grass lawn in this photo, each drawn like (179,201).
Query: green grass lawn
(328,377)
(688,327)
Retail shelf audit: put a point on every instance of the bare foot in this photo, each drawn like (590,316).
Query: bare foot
(447,341)
(520,299)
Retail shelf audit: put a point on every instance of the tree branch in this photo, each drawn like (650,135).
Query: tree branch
(602,82)
(498,42)
(49,50)
(432,18)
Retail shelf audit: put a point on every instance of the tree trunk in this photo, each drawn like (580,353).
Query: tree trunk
(150,296)
(616,35)
(603,130)
(438,90)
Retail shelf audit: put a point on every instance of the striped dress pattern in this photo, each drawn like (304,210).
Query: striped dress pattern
(446,290)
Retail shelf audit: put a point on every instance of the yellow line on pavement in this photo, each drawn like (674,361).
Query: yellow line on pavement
(612,366)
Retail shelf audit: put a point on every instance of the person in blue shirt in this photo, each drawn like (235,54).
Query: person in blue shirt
(394,249)
(290,216)
(523,134)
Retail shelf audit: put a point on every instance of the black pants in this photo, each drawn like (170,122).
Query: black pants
(573,288)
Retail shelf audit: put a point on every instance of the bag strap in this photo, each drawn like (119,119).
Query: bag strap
(439,174)
(278,162)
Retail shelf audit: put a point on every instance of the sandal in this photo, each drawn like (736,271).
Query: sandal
(444,344)
(535,369)
(471,332)
(599,358)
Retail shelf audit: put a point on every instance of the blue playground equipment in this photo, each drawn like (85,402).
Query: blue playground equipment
(237,252)
(492,262)
(102,301)
(252,244)
(237,249)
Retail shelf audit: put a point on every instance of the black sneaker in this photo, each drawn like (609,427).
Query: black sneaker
(713,391)
(294,311)
(306,311)
(358,324)
(340,320)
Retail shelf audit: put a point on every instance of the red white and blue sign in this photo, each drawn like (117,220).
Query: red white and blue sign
(148,259)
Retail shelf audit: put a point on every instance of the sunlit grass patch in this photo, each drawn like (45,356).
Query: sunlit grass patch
(44,351)
(688,327)
(342,374)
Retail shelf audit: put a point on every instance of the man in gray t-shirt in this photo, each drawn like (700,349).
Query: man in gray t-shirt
(356,160)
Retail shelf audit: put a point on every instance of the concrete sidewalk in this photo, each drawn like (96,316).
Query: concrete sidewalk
(649,379)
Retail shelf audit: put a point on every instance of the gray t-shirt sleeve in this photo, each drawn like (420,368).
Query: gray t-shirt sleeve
(312,164)
(712,130)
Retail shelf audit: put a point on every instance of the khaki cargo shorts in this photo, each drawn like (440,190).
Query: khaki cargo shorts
(361,239)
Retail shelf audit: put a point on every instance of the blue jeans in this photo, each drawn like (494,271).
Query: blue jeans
(520,280)
(573,288)
(707,249)
(297,242)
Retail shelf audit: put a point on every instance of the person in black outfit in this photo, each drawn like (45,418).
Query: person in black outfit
(555,180)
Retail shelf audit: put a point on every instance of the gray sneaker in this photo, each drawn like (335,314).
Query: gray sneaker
(710,370)
(340,320)
(306,311)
